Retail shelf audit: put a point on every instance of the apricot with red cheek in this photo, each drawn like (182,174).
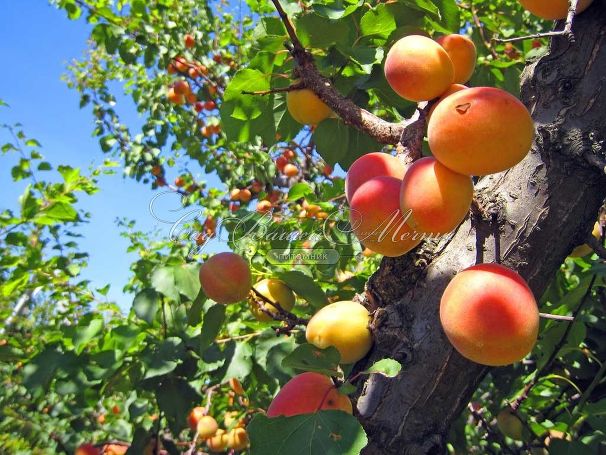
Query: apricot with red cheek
(372,165)
(226,278)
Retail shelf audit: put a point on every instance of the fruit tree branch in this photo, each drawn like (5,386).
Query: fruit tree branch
(377,128)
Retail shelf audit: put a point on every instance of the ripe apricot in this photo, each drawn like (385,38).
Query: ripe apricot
(237,439)
(281,162)
(199,106)
(489,315)
(369,166)
(181,87)
(418,69)
(174,97)
(585,249)
(194,417)
(256,186)
(87,449)
(263,206)
(454,88)
(180,63)
(217,443)
(289,154)
(275,291)
(234,195)
(552,9)
(245,195)
(510,424)
(207,427)
(305,107)
(436,198)
(343,325)
(290,170)
(462,53)
(480,131)
(307,393)
(225,278)
(189,41)
(115,449)
(376,218)
(210,105)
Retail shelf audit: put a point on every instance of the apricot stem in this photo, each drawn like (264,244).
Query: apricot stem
(556,317)
(282,315)
(290,88)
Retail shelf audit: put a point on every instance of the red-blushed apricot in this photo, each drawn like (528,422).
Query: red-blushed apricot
(372,165)
(289,154)
(263,206)
(307,393)
(174,97)
(343,325)
(207,427)
(462,53)
(87,449)
(181,87)
(189,41)
(418,69)
(115,449)
(217,443)
(194,417)
(435,198)
(454,88)
(585,249)
(237,439)
(480,131)
(290,170)
(489,315)
(305,107)
(552,9)
(376,218)
(275,291)
(225,278)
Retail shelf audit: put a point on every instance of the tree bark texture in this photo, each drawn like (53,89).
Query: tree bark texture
(534,214)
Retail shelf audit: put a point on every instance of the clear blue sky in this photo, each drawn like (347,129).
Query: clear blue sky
(36,42)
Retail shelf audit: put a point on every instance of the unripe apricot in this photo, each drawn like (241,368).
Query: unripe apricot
(585,249)
(343,325)
(275,291)
(225,278)
(376,218)
(489,315)
(510,424)
(462,53)
(307,393)
(237,439)
(290,170)
(372,165)
(418,69)
(217,443)
(194,417)
(207,427)
(436,198)
(480,131)
(263,206)
(305,107)
(454,88)
(552,9)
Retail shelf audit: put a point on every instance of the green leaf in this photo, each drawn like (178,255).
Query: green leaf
(164,358)
(145,305)
(240,364)
(163,281)
(324,432)
(338,142)
(347,388)
(333,31)
(299,190)
(86,330)
(187,281)
(449,12)
(55,213)
(213,321)
(378,21)
(337,9)
(242,106)
(176,398)
(40,370)
(196,310)
(305,287)
(307,357)
(386,367)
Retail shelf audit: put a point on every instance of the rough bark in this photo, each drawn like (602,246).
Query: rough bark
(541,209)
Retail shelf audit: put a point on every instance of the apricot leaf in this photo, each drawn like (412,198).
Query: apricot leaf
(305,287)
(307,357)
(323,432)
(146,305)
(386,367)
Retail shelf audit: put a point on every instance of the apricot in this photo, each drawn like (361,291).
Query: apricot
(489,315)
(289,154)
(234,195)
(218,442)
(307,393)
(230,419)
(454,88)
(510,424)
(115,449)
(552,9)
(369,166)
(181,64)
(263,206)
(189,41)
(236,386)
(435,198)
(87,449)
(418,69)
(462,53)
(237,439)
(585,249)
(194,417)
(207,427)
(376,218)
(275,291)
(174,97)
(181,87)
(305,107)
(245,195)
(225,278)
(343,325)
(480,131)
(290,170)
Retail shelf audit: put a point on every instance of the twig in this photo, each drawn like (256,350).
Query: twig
(282,315)
(556,317)
(478,23)
(566,31)
(556,350)
(290,88)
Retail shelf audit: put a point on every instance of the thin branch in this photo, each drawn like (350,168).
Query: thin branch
(478,24)
(290,88)
(556,317)
(566,31)
(282,314)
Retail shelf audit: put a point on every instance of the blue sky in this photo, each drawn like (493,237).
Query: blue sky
(36,42)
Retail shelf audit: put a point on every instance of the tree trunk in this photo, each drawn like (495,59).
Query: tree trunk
(539,210)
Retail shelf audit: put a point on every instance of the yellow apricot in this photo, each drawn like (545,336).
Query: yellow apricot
(274,291)
(462,53)
(552,9)
(305,107)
